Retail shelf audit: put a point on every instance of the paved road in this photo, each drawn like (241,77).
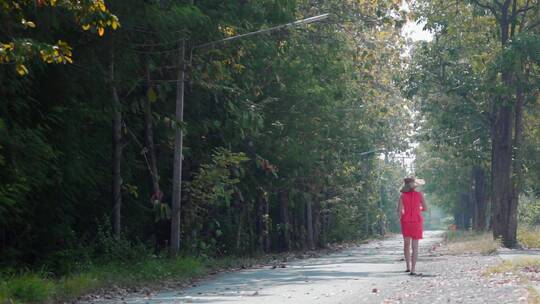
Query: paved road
(364,274)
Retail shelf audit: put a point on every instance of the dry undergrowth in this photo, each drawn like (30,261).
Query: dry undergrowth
(465,242)
(534,296)
(529,237)
(528,271)
(526,265)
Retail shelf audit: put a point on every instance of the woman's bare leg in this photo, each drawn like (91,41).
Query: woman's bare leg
(407,251)
(414,255)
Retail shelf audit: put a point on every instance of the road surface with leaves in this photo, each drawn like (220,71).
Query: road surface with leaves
(370,273)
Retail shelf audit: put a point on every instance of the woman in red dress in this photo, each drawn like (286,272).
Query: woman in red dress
(411,205)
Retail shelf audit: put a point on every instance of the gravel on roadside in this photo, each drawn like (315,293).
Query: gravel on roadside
(458,279)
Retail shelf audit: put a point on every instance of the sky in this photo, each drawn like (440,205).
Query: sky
(414,30)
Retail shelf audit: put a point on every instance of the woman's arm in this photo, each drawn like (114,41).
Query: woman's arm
(423,201)
(400,207)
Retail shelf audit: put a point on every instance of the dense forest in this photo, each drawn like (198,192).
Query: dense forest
(141,126)
(281,132)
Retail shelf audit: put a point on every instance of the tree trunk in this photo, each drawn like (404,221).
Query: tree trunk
(263,223)
(381,222)
(150,155)
(503,211)
(473,201)
(239,231)
(300,225)
(240,211)
(502,169)
(177,169)
(367,223)
(283,198)
(518,163)
(324,227)
(458,219)
(479,199)
(470,210)
(250,222)
(149,143)
(462,216)
(309,225)
(316,208)
(116,153)
(295,229)
(466,210)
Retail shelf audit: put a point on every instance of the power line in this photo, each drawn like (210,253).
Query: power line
(262,31)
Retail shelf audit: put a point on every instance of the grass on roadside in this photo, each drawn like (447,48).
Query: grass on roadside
(523,268)
(529,237)
(27,288)
(462,242)
(515,265)
(39,288)
(534,296)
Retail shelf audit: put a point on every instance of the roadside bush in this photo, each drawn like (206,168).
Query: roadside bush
(464,242)
(38,288)
(107,248)
(529,236)
(77,285)
(345,220)
(529,210)
(27,288)
(67,261)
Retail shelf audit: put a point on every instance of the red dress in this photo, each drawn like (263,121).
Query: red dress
(411,218)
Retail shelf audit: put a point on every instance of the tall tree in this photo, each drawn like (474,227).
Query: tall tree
(491,82)
(513,18)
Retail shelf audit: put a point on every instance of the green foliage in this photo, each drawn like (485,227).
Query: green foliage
(214,183)
(529,211)
(37,288)
(121,250)
(27,288)
(77,284)
(359,211)
(347,219)
(444,173)
(89,14)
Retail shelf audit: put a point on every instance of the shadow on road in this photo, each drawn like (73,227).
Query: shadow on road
(325,279)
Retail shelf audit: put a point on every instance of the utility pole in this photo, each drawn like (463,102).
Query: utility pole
(178,155)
